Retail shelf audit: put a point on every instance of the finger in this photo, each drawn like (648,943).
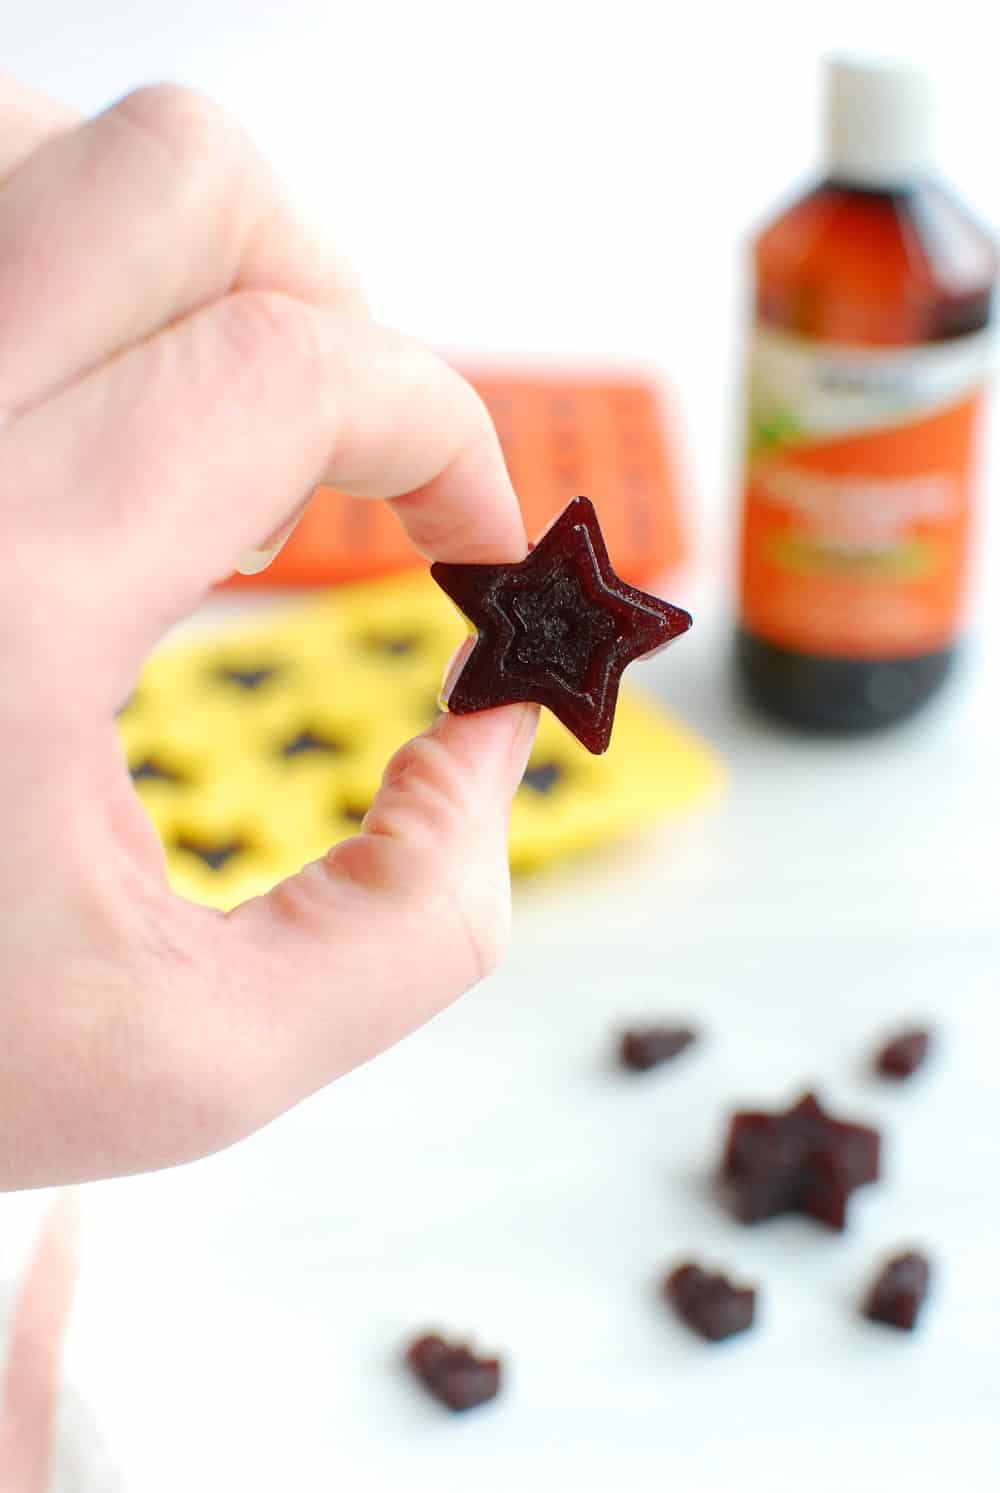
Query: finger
(154,472)
(31,1389)
(253,561)
(28,120)
(208,1026)
(361,947)
(137,218)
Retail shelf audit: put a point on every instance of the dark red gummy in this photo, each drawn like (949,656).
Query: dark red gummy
(710,1304)
(646,1047)
(900,1291)
(904,1053)
(452,1373)
(558,628)
(799,1161)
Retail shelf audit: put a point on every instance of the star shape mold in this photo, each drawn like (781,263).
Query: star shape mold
(558,628)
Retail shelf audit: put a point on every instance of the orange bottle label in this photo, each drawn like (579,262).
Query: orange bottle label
(858,494)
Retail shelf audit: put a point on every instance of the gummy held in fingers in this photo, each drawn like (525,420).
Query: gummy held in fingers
(557,628)
(273,734)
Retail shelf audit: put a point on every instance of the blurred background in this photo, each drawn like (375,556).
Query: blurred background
(575,185)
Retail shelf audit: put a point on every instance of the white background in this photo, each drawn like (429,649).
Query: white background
(578,179)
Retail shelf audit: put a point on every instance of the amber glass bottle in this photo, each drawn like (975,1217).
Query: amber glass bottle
(869,355)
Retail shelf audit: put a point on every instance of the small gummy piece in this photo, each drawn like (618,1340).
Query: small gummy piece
(452,1373)
(904,1053)
(709,1303)
(557,628)
(643,1048)
(801,1160)
(899,1292)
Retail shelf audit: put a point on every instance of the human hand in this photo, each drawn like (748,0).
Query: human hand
(179,367)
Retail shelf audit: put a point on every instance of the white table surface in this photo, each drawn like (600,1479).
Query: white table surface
(561,180)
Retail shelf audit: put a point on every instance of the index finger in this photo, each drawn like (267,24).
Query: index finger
(28,119)
(432,422)
(157,470)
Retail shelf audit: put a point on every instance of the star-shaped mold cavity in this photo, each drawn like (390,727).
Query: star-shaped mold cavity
(213,853)
(558,628)
(152,770)
(310,743)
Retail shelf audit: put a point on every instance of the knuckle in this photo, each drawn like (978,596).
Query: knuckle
(421,781)
(433,891)
(420,760)
(275,338)
(184,123)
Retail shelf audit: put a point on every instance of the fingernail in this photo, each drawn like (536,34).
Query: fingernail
(524,740)
(529,726)
(252,562)
(454,668)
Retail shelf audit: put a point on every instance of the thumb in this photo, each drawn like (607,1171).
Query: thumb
(215,1024)
(362,946)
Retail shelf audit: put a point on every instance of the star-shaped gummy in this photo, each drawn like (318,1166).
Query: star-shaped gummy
(800,1161)
(558,628)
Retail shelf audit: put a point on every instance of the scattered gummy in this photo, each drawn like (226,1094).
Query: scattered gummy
(904,1053)
(643,1048)
(900,1291)
(710,1304)
(452,1373)
(798,1161)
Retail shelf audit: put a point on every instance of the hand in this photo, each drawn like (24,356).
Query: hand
(179,368)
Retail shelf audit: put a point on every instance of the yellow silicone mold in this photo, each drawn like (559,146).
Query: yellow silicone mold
(257,748)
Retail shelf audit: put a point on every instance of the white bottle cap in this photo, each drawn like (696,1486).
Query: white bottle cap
(879,121)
